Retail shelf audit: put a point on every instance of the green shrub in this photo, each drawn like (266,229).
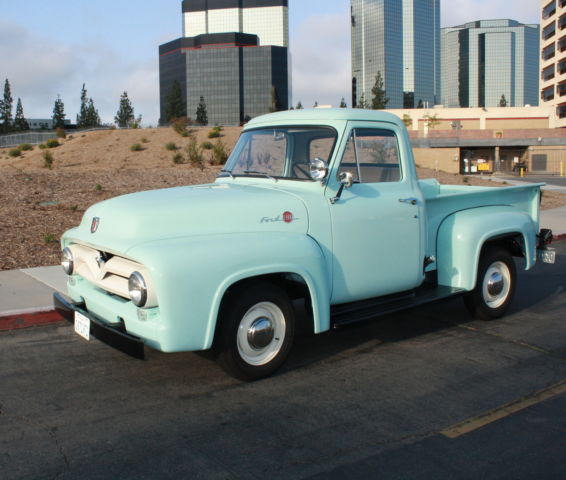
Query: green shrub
(207,145)
(47,159)
(25,147)
(178,159)
(52,143)
(14,152)
(180,125)
(171,146)
(41,146)
(60,133)
(213,133)
(98,187)
(144,140)
(219,155)
(194,154)
(49,238)
(185,133)
(136,147)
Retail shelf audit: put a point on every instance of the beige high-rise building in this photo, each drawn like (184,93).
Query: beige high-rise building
(553,57)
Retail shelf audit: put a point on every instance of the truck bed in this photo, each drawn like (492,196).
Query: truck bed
(444,200)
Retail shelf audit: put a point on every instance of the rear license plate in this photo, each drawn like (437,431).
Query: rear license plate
(82,325)
(547,255)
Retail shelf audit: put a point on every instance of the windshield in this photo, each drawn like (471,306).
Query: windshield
(283,152)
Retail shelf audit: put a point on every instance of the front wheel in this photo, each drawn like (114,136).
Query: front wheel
(258,326)
(495,285)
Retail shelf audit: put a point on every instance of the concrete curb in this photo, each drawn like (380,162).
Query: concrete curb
(39,319)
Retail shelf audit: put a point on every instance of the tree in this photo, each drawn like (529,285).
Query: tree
(202,115)
(379,100)
(175,106)
(343,103)
(92,117)
(82,116)
(503,101)
(58,113)
(20,122)
(299,106)
(362,103)
(407,120)
(125,114)
(6,108)
(432,120)
(315,104)
(420,104)
(274,105)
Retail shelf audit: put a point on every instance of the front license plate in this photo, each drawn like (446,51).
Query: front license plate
(547,255)
(82,325)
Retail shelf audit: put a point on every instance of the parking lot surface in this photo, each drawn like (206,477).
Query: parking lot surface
(428,393)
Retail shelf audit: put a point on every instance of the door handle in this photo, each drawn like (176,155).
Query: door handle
(411,200)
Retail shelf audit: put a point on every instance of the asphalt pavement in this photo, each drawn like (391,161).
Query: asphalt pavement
(425,393)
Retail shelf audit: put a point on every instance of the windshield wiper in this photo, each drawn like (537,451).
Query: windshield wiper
(229,172)
(263,174)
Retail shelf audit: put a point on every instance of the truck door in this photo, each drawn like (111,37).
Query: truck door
(377,228)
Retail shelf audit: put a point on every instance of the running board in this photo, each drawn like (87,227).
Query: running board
(348,313)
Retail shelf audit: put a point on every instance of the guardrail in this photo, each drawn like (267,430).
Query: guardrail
(35,138)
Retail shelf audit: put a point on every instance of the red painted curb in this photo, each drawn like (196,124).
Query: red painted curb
(560,237)
(27,320)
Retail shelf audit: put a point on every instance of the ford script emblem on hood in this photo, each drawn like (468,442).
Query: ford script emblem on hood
(94,224)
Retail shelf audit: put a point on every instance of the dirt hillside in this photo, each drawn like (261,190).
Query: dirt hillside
(37,204)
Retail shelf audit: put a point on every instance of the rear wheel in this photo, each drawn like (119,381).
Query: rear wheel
(495,285)
(258,326)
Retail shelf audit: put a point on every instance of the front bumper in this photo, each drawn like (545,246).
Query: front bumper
(114,336)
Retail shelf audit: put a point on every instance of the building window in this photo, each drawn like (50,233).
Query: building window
(548,52)
(549,31)
(548,73)
(549,10)
(562,67)
(561,111)
(547,94)
(562,22)
(561,89)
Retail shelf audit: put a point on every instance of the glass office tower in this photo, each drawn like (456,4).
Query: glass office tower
(483,60)
(268,19)
(234,54)
(237,77)
(400,39)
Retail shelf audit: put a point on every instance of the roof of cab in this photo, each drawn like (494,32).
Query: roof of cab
(324,115)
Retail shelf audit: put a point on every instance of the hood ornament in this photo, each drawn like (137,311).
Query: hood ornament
(94,224)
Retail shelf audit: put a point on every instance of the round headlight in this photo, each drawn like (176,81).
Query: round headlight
(137,289)
(67,261)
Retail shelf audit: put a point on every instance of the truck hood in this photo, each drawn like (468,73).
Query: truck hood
(123,222)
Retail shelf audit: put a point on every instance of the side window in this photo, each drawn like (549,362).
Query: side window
(372,156)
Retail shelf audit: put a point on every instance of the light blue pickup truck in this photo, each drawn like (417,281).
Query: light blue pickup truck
(317,205)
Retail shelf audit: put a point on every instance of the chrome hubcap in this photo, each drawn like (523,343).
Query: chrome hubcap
(495,284)
(260,333)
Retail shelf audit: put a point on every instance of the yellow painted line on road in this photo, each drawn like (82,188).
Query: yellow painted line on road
(503,411)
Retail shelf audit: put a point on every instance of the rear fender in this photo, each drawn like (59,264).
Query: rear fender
(462,235)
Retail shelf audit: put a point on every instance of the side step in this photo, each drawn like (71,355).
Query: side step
(348,313)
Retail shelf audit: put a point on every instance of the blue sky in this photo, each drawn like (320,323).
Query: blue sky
(50,48)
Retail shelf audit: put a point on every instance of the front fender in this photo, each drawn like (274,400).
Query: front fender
(192,274)
(462,235)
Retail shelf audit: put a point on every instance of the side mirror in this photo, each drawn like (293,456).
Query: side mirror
(318,169)
(346,179)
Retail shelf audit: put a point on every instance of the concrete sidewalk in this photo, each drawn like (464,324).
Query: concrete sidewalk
(30,290)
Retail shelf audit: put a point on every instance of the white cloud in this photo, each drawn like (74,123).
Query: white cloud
(39,69)
(320,49)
